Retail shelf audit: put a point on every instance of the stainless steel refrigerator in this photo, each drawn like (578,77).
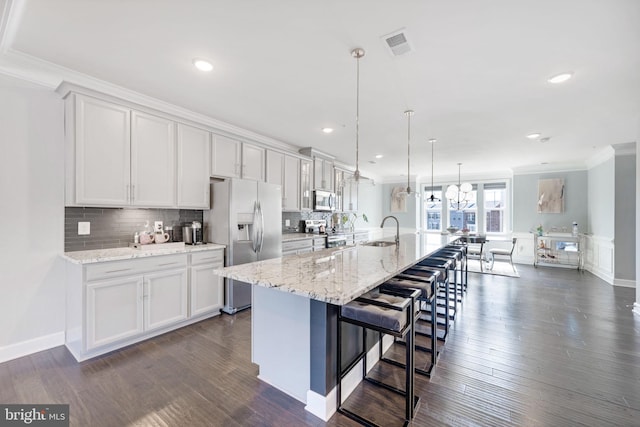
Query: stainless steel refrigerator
(246,216)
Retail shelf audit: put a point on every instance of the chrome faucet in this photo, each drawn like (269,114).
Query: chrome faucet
(397,227)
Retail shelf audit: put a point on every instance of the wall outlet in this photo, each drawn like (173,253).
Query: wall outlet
(157,226)
(84,228)
(287,223)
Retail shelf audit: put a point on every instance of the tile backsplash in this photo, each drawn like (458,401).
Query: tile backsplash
(114,227)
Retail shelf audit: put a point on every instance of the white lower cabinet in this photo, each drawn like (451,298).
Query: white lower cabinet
(117,303)
(165,298)
(114,310)
(206,288)
(297,247)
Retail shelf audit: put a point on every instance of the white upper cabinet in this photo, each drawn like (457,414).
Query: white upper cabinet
(291,189)
(284,170)
(322,174)
(101,153)
(226,157)
(253,162)
(234,159)
(193,167)
(305,185)
(275,168)
(121,157)
(153,161)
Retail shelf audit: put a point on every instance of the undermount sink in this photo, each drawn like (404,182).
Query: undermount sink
(379,243)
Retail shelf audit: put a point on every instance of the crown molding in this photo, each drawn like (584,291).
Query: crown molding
(600,157)
(625,149)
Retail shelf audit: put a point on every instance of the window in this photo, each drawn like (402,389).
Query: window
(484,210)
(463,213)
(433,209)
(495,196)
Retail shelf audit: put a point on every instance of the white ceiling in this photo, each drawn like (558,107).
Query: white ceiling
(476,78)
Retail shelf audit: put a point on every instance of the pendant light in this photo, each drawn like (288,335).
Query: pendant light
(458,195)
(407,191)
(358,53)
(432,198)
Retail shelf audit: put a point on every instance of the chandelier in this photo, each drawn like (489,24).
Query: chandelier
(407,191)
(432,198)
(459,196)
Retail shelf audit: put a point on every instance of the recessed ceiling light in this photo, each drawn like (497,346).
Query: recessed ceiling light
(379,156)
(560,78)
(533,135)
(327,130)
(202,64)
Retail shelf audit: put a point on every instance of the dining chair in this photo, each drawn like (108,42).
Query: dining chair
(500,252)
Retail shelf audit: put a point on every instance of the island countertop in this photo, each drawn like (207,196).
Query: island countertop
(338,275)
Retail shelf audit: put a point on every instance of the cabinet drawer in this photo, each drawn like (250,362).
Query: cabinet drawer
(105,270)
(208,257)
(296,244)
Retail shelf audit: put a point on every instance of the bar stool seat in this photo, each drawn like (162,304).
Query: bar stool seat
(388,314)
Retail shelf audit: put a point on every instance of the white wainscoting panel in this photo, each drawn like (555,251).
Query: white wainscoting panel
(599,253)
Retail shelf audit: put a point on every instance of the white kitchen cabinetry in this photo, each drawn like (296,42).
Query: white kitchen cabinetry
(153,161)
(322,174)
(193,167)
(253,162)
(165,298)
(206,287)
(114,311)
(226,157)
(284,170)
(297,247)
(119,156)
(275,167)
(116,303)
(234,159)
(305,185)
(99,156)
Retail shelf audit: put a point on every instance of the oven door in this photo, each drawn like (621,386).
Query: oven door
(324,201)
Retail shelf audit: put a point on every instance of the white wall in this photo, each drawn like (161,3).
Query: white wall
(32,217)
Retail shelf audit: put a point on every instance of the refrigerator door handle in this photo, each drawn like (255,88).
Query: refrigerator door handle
(254,228)
(261,230)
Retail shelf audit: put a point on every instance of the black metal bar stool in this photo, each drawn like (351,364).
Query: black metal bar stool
(388,314)
(406,286)
(446,266)
(459,257)
(461,247)
(442,280)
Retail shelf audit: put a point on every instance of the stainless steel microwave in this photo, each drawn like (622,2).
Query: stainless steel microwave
(324,200)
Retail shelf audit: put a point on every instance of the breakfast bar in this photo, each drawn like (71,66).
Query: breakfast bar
(295,304)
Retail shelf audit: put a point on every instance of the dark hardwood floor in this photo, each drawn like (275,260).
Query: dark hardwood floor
(554,347)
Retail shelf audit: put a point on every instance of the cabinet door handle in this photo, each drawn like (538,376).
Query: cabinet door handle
(128,187)
(168,263)
(117,271)
(133,192)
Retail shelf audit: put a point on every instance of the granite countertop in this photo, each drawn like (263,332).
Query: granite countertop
(337,275)
(114,254)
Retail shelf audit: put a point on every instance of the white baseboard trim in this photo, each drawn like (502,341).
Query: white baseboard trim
(636,308)
(624,283)
(322,407)
(24,348)
(599,273)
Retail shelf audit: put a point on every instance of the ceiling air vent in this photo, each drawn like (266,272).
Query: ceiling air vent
(398,42)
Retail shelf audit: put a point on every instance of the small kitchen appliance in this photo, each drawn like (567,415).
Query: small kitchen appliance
(192,233)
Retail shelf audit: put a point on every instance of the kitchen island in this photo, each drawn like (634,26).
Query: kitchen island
(295,303)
